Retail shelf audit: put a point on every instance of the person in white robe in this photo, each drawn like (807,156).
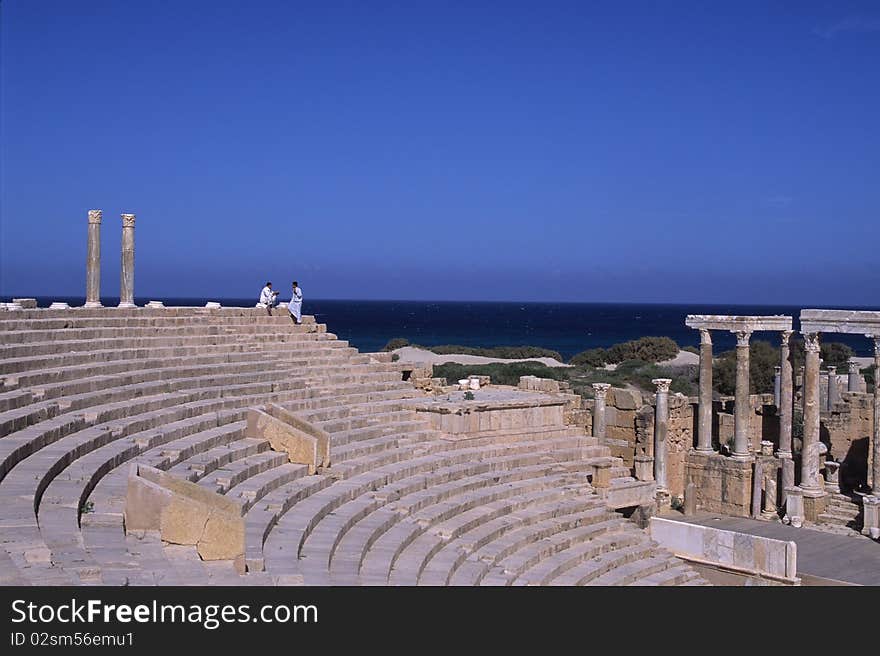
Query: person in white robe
(268,298)
(296,302)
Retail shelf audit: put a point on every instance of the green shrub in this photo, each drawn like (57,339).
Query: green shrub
(501,373)
(504,352)
(763,358)
(649,349)
(691,349)
(396,343)
(595,357)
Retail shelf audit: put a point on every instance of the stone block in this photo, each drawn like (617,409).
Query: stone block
(184,513)
(299,447)
(26,303)
(871,507)
(624,399)
(740,552)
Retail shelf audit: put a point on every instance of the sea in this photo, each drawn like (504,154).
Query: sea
(564,327)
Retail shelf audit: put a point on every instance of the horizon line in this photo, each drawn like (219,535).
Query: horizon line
(159,297)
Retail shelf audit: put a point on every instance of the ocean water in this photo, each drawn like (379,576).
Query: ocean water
(564,327)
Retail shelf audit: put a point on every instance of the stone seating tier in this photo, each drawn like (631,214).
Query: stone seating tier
(85,393)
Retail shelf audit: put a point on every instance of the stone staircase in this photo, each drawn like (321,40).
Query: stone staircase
(84,394)
(843,514)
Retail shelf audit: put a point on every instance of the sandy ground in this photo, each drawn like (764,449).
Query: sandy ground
(410,354)
(683,358)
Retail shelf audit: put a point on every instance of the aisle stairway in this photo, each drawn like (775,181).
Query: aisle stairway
(86,393)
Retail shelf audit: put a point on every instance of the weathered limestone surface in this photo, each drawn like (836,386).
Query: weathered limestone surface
(184,513)
(488,412)
(600,390)
(741,414)
(786,405)
(810,452)
(741,552)
(126,273)
(704,430)
(738,323)
(93,260)
(661,422)
(723,485)
(303,444)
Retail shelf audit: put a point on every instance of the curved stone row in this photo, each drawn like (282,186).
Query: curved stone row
(86,393)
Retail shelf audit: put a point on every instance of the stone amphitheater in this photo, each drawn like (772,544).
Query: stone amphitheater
(100,408)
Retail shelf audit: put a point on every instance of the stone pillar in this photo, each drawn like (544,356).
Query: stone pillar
(661,418)
(757,481)
(787,476)
(810,451)
(126,276)
(833,390)
(832,479)
(93,260)
(785,400)
(794,507)
(704,411)
(741,402)
(875,437)
(769,511)
(871,514)
(599,390)
(852,382)
(644,468)
(777,375)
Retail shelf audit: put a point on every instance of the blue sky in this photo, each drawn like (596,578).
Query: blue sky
(627,151)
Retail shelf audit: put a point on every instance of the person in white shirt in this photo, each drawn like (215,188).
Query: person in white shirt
(268,297)
(296,302)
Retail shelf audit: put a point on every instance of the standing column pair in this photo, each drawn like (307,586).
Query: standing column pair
(93,262)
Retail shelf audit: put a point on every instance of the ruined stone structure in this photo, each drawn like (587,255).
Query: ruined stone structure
(310,463)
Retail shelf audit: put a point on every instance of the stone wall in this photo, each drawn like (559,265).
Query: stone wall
(846,430)
(679,441)
(723,485)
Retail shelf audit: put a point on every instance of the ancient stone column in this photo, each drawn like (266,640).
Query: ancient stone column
(810,451)
(785,400)
(833,389)
(704,424)
(126,276)
(776,385)
(741,402)
(93,260)
(757,483)
(599,391)
(661,419)
(875,437)
(770,492)
(852,381)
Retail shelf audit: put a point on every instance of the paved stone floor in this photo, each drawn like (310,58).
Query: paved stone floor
(842,558)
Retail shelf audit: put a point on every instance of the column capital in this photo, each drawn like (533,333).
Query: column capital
(853,366)
(601,389)
(832,369)
(777,369)
(128,220)
(786,335)
(811,342)
(742,337)
(876,339)
(95,216)
(662,385)
(705,336)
